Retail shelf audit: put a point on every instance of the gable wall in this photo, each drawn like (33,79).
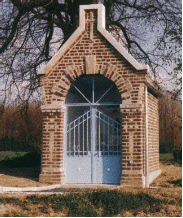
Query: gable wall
(105,54)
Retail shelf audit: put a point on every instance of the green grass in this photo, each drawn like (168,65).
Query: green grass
(169,158)
(10,154)
(92,204)
(22,159)
(166,157)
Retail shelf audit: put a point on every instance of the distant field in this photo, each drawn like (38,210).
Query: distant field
(10,154)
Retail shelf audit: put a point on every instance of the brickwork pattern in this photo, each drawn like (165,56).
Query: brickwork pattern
(153,133)
(130,83)
(53,138)
(133,143)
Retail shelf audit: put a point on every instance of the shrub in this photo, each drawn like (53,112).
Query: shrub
(177,154)
(165,148)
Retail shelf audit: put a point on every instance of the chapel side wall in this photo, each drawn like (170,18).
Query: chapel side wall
(133,138)
(153,133)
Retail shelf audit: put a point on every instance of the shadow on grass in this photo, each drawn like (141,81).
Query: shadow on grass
(26,166)
(177,183)
(24,172)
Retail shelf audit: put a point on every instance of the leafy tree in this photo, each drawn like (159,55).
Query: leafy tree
(32,31)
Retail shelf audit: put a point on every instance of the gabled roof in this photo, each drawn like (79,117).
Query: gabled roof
(104,33)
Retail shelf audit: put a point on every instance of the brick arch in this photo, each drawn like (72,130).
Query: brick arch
(72,73)
(124,85)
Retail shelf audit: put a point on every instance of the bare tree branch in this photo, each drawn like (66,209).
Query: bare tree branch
(30,32)
(12,33)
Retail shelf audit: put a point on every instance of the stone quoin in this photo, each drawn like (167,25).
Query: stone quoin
(91,58)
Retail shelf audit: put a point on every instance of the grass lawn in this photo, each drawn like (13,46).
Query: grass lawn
(166,157)
(10,154)
(93,203)
(87,204)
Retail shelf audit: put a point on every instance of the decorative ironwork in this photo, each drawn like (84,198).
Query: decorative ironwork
(79,135)
(94,127)
(93,132)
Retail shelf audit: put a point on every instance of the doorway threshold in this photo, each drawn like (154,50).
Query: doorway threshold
(91,186)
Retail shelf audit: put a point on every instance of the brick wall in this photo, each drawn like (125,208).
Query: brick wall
(75,58)
(91,53)
(52,146)
(153,132)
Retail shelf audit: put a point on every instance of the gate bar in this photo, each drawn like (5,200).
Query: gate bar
(99,136)
(87,131)
(74,138)
(108,136)
(92,104)
(79,144)
(105,93)
(83,135)
(82,94)
(93,140)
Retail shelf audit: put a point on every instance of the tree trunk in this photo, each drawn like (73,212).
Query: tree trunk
(76,3)
(73,10)
(85,2)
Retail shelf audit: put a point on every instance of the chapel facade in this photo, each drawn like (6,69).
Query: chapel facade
(100,111)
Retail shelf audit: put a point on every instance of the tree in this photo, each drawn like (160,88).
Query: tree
(1,107)
(170,114)
(32,31)
(21,127)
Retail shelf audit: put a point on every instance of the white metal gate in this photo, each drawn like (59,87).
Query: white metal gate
(93,146)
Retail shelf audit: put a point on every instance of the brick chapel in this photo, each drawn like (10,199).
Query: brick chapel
(100,111)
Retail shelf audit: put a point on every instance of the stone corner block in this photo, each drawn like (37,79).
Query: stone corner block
(54,106)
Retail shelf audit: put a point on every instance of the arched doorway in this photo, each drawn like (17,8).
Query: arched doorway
(93,132)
